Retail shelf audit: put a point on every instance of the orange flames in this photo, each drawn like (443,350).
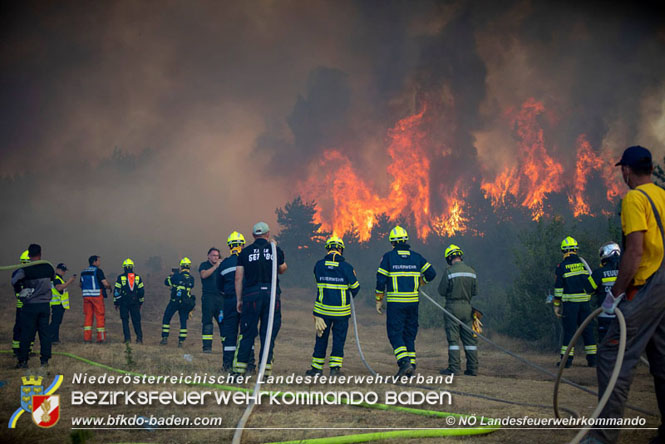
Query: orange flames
(347,202)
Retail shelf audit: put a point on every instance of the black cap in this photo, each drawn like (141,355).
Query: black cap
(61,266)
(635,156)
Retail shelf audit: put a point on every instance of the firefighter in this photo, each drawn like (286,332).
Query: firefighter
(574,286)
(182,300)
(211,300)
(16,338)
(59,301)
(335,279)
(401,272)
(128,298)
(226,278)
(458,286)
(93,287)
(604,277)
(253,287)
(33,284)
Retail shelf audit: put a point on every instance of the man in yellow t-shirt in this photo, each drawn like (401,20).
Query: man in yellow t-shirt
(640,288)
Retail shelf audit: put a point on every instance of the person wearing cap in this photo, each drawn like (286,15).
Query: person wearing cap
(33,283)
(59,301)
(93,288)
(253,288)
(128,299)
(211,301)
(16,338)
(638,291)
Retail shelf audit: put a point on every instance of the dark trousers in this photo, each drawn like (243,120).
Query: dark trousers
(402,327)
(35,318)
(255,309)
(133,310)
(16,338)
(211,305)
(645,331)
(603,324)
(339,327)
(168,314)
(57,313)
(574,314)
(230,331)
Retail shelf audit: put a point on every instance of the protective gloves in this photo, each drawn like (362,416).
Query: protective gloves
(319,325)
(26,293)
(477,325)
(379,306)
(611,302)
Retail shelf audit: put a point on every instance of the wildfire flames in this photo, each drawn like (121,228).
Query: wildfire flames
(348,202)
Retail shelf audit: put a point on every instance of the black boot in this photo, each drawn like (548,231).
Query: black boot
(164,341)
(591,361)
(405,368)
(313,372)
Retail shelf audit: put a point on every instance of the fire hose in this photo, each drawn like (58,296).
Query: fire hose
(613,377)
(237,436)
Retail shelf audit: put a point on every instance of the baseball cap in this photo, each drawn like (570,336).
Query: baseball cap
(635,156)
(61,266)
(261,228)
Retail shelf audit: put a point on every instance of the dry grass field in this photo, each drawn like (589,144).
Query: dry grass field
(499,376)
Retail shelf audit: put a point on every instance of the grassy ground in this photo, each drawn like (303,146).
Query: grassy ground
(499,376)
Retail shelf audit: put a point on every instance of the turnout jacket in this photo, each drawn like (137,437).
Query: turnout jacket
(604,277)
(128,289)
(459,284)
(181,283)
(59,298)
(399,274)
(573,282)
(335,278)
(226,276)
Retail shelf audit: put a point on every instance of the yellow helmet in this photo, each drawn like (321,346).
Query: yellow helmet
(235,239)
(185,263)
(334,242)
(568,244)
(453,251)
(398,234)
(128,263)
(25,257)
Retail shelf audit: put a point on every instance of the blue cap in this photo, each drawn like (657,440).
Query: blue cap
(635,156)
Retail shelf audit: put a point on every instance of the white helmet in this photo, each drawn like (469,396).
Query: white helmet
(609,249)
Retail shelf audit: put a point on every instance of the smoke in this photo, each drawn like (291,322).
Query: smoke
(218,108)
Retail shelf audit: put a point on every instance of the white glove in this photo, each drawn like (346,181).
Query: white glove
(611,302)
(319,325)
(26,293)
(379,306)
(558,311)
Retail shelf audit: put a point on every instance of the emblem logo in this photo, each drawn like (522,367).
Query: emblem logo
(45,410)
(44,406)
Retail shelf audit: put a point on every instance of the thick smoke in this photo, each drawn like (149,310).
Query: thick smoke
(217,108)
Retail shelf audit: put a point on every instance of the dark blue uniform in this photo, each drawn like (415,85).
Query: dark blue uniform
(335,279)
(226,278)
(574,286)
(399,277)
(604,277)
(256,259)
(128,297)
(211,306)
(182,301)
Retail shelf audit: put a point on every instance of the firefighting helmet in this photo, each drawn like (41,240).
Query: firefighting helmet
(25,257)
(334,243)
(235,239)
(185,263)
(128,263)
(453,251)
(398,234)
(609,249)
(568,244)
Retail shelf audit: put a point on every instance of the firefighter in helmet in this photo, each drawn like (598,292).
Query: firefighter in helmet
(401,273)
(572,291)
(16,337)
(458,286)
(182,300)
(604,277)
(336,283)
(128,299)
